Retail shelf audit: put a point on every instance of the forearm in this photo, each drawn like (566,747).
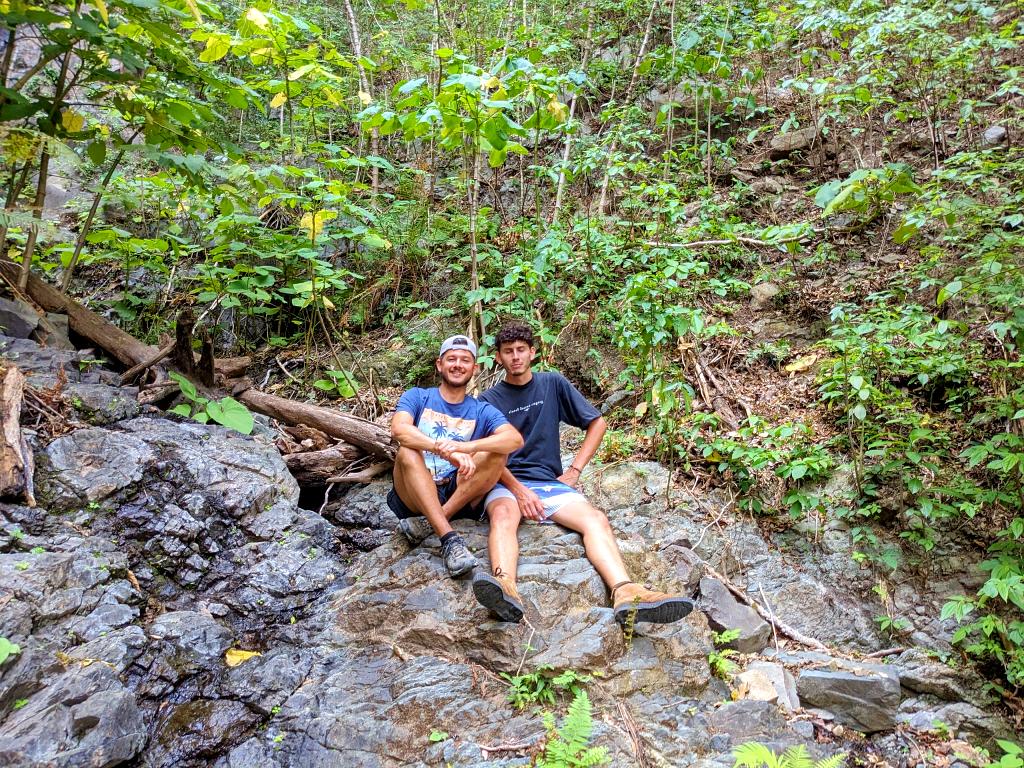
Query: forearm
(509,481)
(409,436)
(591,442)
(505,442)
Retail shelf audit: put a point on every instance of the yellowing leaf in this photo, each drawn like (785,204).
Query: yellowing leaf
(558,109)
(235,656)
(365,98)
(101,6)
(304,69)
(332,96)
(327,302)
(313,223)
(217,48)
(278,100)
(72,121)
(490,82)
(641,410)
(801,363)
(256,16)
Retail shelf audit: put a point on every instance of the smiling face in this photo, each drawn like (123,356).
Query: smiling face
(516,357)
(456,367)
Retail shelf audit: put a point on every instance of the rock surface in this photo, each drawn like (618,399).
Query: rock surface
(725,612)
(164,549)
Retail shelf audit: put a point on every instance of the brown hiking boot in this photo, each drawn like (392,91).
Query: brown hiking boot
(650,606)
(498,593)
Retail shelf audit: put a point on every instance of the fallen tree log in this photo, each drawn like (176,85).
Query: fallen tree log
(128,350)
(372,438)
(316,467)
(16,462)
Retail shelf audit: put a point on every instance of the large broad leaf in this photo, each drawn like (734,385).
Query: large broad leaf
(8,649)
(232,414)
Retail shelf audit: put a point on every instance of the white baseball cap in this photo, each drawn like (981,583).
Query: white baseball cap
(458,342)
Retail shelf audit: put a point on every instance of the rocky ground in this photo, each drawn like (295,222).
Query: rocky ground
(160,549)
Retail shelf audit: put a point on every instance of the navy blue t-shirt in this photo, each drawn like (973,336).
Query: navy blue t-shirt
(535,409)
(440,420)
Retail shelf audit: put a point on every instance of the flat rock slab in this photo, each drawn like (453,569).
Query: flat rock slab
(862,696)
(725,612)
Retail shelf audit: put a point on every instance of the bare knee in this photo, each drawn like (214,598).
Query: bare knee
(490,461)
(504,515)
(408,457)
(595,522)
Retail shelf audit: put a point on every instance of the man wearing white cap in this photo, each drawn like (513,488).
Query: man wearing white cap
(452,448)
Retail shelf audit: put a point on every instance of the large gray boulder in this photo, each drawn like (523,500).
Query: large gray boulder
(725,612)
(862,696)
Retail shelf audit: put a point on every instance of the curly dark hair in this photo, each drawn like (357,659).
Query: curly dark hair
(514,331)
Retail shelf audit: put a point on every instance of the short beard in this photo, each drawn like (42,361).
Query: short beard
(451,383)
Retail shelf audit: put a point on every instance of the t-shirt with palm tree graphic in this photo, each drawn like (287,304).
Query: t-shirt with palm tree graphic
(438,419)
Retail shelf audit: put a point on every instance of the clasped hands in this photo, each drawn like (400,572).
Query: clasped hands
(454,452)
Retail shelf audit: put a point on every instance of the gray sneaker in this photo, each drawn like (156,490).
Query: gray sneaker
(457,557)
(415,529)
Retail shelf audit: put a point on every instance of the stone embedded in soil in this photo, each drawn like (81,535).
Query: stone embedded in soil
(725,612)
(994,136)
(785,144)
(763,294)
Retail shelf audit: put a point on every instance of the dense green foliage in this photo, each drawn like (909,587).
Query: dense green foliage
(593,167)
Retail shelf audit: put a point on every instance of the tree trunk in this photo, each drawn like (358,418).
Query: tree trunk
(16,462)
(315,467)
(568,136)
(126,349)
(372,438)
(364,86)
(603,201)
(37,214)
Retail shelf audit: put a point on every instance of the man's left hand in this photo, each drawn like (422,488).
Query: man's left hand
(464,462)
(570,477)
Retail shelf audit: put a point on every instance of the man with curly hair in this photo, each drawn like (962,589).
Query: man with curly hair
(535,486)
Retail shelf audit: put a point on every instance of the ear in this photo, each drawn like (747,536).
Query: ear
(437,365)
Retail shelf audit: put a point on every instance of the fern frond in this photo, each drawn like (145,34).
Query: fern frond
(594,756)
(832,762)
(754,755)
(578,725)
(796,757)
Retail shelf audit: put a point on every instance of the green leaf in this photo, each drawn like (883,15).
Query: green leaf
(232,414)
(97,152)
(217,48)
(951,289)
(8,649)
(188,389)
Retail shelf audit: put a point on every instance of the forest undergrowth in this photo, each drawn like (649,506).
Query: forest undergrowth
(790,235)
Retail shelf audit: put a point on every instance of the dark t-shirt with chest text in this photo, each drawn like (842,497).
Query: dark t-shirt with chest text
(535,409)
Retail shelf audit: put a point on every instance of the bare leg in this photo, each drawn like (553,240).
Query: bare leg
(488,470)
(416,488)
(598,539)
(502,541)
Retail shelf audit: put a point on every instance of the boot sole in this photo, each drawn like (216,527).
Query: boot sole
(489,594)
(657,612)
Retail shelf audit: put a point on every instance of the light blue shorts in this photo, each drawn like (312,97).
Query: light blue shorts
(553,494)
